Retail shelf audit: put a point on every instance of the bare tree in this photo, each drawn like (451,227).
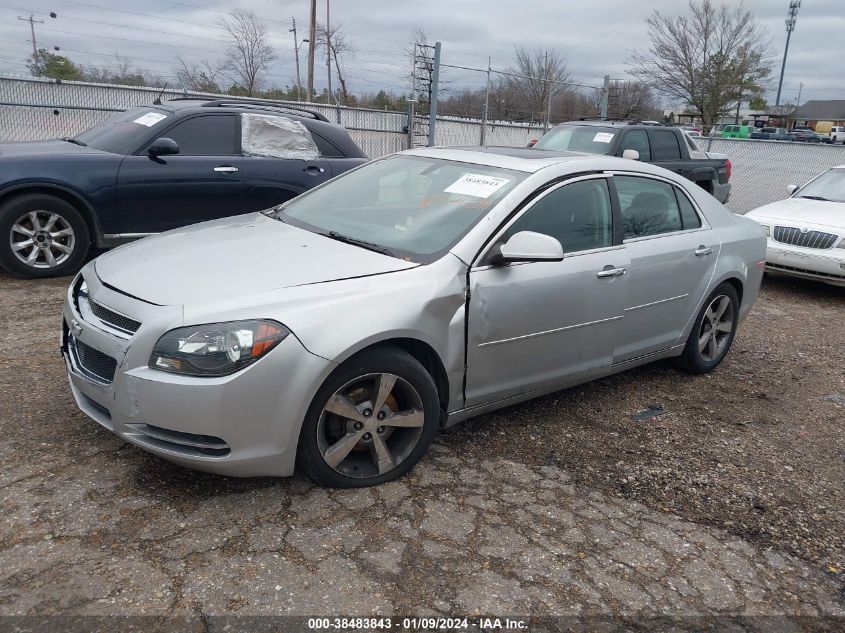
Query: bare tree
(122,71)
(538,78)
(625,100)
(709,59)
(202,77)
(341,50)
(249,53)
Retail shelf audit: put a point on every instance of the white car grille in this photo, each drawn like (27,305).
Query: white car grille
(802,237)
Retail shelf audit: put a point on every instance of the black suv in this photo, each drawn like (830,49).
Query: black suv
(154,168)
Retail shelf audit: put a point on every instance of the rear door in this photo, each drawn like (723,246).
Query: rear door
(201,182)
(666,150)
(282,159)
(672,259)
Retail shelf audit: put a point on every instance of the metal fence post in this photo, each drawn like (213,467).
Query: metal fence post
(435,77)
(486,106)
(410,125)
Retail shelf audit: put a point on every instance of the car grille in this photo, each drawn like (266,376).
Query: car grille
(805,271)
(120,324)
(114,319)
(93,363)
(190,444)
(810,239)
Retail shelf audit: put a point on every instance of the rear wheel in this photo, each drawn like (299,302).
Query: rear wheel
(370,422)
(42,236)
(713,331)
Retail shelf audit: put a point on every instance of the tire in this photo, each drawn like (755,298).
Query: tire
(697,360)
(44,220)
(347,451)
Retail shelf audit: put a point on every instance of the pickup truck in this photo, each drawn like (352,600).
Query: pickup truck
(663,145)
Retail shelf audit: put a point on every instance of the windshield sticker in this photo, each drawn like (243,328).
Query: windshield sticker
(603,137)
(149,119)
(476,185)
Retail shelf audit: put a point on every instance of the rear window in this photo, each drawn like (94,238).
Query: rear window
(592,139)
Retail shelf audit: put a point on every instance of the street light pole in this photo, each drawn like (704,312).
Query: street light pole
(312,42)
(791,17)
(296,53)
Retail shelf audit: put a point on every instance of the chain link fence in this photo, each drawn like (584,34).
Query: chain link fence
(37,109)
(761,170)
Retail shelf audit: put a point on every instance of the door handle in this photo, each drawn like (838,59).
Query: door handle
(611,272)
(226,169)
(703,250)
(313,170)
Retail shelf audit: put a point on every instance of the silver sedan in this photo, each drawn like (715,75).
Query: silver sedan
(342,329)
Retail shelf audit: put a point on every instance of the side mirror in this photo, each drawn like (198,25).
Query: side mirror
(527,246)
(163,147)
(631,154)
(790,189)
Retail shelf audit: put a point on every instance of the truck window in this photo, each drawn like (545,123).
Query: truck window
(638,140)
(665,145)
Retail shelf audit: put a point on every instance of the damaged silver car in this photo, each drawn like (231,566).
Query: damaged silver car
(343,329)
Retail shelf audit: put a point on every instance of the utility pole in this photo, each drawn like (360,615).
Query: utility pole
(486,106)
(605,95)
(312,42)
(296,53)
(791,18)
(548,88)
(329,52)
(432,110)
(800,88)
(32,21)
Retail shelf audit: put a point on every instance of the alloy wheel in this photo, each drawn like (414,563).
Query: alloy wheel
(716,328)
(42,239)
(370,425)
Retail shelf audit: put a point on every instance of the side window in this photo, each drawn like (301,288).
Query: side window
(276,137)
(326,148)
(689,218)
(649,207)
(578,215)
(665,145)
(209,135)
(638,140)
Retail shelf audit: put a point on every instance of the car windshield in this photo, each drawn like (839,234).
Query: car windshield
(829,186)
(413,207)
(591,139)
(124,132)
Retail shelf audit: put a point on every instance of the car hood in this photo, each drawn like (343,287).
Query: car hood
(234,256)
(798,210)
(44,148)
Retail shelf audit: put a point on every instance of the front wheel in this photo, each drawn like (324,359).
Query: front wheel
(41,236)
(370,422)
(713,331)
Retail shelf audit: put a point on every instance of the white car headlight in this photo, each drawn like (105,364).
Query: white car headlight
(768,230)
(216,349)
(841,244)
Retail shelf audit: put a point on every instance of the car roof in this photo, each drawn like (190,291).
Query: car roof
(527,160)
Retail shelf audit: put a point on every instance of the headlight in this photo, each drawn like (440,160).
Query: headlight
(768,230)
(216,349)
(841,244)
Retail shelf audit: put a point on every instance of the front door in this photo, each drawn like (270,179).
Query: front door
(538,324)
(672,259)
(202,182)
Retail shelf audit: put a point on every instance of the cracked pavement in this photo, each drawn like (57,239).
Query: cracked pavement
(93,526)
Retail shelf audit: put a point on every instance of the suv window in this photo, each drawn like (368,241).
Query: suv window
(665,145)
(638,140)
(578,215)
(208,135)
(649,207)
(276,137)
(326,147)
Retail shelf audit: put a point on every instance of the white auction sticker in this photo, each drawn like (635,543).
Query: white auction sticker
(149,119)
(476,185)
(603,137)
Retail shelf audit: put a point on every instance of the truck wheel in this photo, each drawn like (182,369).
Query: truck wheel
(42,236)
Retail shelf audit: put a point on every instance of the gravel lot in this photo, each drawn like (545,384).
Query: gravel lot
(730,505)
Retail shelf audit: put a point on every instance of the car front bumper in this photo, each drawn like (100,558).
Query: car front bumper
(827,265)
(246,424)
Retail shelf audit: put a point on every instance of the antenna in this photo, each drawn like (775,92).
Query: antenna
(158,98)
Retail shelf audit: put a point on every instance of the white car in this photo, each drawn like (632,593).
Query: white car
(806,232)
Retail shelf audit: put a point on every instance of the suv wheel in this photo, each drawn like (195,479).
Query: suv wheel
(41,236)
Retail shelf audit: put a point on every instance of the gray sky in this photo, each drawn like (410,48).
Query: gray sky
(597,36)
